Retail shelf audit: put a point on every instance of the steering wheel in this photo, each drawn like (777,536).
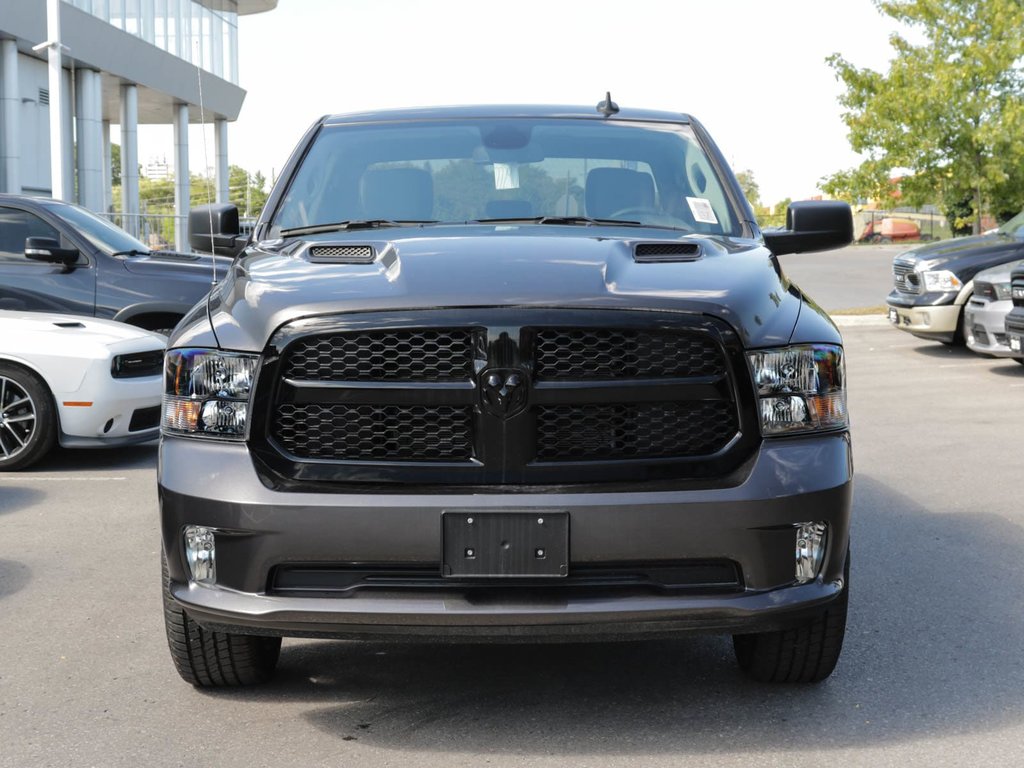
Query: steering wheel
(652,216)
(636,210)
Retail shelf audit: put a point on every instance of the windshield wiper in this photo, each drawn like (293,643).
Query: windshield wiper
(338,226)
(571,220)
(131,252)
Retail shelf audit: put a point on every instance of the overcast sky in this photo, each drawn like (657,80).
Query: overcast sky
(752,71)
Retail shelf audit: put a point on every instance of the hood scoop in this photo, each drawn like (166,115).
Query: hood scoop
(650,253)
(70,324)
(342,254)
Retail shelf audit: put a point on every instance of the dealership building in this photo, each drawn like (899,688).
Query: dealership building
(120,62)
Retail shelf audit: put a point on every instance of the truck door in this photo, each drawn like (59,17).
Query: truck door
(36,286)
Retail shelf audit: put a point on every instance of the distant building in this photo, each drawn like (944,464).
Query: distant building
(125,62)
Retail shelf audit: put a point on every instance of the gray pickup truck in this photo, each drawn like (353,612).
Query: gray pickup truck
(506,374)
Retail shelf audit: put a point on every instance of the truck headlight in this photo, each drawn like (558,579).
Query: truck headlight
(941,281)
(206,392)
(1002,291)
(800,388)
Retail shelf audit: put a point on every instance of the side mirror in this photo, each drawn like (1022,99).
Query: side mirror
(48,249)
(214,229)
(813,225)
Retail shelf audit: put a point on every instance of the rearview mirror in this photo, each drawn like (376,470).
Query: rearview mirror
(48,249)
(215,229)
(813,225)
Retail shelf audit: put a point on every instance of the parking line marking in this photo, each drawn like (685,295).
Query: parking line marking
(17,478)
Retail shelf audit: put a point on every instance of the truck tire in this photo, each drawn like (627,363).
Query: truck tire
(209,659)
(805,653)
(28,418)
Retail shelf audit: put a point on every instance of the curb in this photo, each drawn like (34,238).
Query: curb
(861,321)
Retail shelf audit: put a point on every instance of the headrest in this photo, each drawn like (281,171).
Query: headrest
(615,189)
(398,193)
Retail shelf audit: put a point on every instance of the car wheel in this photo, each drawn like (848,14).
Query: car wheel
(1019,360)
(805,653)
(28,421)
(209,659)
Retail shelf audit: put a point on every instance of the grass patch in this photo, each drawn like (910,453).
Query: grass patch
(880,309)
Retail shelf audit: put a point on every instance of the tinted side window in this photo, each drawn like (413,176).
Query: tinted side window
(15,226)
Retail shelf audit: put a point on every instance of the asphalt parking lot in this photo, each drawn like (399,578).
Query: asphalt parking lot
(930,675)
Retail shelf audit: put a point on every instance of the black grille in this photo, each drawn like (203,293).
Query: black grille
(602,397)
(137,364)
(652,430)
(597,353)
(144,418)
(342,254)
(414,355)
(654,252)
(1015,324)
(1017,291)
(374,432)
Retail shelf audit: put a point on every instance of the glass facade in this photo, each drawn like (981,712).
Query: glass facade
(201,33)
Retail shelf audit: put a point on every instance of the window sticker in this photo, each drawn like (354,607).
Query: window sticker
(506,176)
(702,210)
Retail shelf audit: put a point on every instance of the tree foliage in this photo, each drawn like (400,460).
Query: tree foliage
(949,110)
(749,186)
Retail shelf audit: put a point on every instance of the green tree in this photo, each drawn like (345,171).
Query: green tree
(750,189)
(949,109)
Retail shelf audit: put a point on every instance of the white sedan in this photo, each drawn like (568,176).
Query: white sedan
(77,381)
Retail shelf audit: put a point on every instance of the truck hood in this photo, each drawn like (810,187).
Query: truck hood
(199,266)
(966,256)
(507,265)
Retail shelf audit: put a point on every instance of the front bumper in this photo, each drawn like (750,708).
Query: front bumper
(932,316)
(751,524)
(108,412)
(985,326)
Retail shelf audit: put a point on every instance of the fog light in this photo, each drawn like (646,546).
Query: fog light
(201,553)
(810,550)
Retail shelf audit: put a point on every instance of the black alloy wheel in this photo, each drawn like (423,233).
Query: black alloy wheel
(27,418)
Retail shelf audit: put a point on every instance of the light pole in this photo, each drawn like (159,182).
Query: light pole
(54,49)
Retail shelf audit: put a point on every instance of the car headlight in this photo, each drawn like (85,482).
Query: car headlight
(206,392)
(800,388)
(1002,291)
(941,281)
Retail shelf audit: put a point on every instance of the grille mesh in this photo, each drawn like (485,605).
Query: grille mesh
(666,251)
(356,254)
(585,353)
(374,432)
(414,355)
(625,431)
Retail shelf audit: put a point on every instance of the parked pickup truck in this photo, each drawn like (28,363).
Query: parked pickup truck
(1015,318)
(58,257)
(932,283)
(505,374)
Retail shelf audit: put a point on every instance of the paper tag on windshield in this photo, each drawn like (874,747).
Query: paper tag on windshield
(702,210)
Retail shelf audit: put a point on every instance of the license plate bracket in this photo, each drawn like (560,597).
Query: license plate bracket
(505,545)
(894,316)
(1015,342)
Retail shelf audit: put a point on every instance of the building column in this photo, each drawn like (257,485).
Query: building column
(10,112)
(220,145)
(60,174)
(89,158)
(108,167)
(130,157)
(67,146)
(182,181)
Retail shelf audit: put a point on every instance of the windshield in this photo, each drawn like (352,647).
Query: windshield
(508,169)
(1014,227)
(106,236)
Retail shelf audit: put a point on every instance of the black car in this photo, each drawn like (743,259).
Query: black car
(507,374)
(932,283)
(59,257)
(1015,318)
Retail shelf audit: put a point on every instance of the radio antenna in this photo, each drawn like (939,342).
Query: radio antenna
(206,165)
(607,107)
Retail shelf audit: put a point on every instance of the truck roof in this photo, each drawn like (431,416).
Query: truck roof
(503,110)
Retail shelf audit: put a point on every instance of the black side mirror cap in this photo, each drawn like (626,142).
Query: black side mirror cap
(48,249)
(813,225)
(215,229)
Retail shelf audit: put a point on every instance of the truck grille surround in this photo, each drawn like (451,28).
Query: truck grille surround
(905,278)
(502,397)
